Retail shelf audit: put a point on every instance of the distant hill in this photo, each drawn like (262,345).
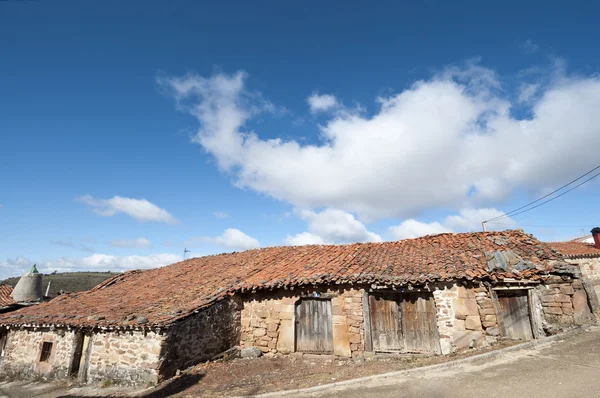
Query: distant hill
(68,281)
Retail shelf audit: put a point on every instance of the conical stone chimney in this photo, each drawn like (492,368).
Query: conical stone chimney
(29,287)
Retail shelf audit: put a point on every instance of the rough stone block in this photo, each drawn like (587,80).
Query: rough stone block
(467,339)
(259,332)
(567,289)
(581,309)
(250,352)
(473,322)
(285,341)
(286,315)
(465,293)
(490,318)
(553,310)
(459,325)
(487,311)
(562,298)
(567,310)
(547,298)
(487,324)
(465,307)
(354,338)
(272,327)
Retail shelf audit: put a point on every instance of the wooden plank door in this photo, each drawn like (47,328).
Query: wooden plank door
(514,313)
(419,323)
(314,329)
(386,330)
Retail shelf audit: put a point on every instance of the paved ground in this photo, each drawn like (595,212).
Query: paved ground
(569,368)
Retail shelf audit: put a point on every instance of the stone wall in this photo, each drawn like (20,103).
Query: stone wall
(125,357)
(268,319)
(445,297)
(564,303)
(201,336)
(474,317)
(590,268)
(23,349)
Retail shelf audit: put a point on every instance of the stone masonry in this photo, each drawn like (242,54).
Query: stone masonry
(564,303)
(268,320)
(23,348)
(201,336)
(125,357)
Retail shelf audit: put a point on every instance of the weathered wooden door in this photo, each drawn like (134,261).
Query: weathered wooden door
(314,329)
(386,330)
(419,323)
(514,319)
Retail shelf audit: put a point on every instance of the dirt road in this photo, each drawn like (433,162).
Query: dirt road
(570,368)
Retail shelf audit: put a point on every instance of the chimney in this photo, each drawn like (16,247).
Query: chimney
(596,235)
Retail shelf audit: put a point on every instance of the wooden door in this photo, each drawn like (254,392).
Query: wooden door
(314,329)
(386,330)
(419,323)
(514,319)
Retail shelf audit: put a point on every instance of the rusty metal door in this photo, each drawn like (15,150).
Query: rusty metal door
(386,332)
(314,329)
(419,323)
(514,319)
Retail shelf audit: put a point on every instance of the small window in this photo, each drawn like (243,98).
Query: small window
(46,351)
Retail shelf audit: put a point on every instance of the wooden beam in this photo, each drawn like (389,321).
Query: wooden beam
(367,322)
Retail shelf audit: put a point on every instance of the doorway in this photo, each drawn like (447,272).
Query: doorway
(514,318)
(314,327)
(404,323)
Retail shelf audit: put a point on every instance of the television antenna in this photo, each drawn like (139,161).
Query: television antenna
(185,251)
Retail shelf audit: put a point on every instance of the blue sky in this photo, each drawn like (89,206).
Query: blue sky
(131,130)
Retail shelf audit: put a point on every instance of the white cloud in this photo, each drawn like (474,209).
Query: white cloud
(232,238)
(331,226)
(140,209)
(304,238)
(321,102)
(220,214)
(138,243)
(449,141)
(14,267)
(527,92)
(413,229)
(95,262)
(467,220)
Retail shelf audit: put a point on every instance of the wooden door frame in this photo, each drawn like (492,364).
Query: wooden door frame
(533,322)
(367,314)
(296,304)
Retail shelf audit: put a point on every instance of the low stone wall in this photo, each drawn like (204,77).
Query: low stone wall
(201,336)
(268,319)
(23,349)
(125,357)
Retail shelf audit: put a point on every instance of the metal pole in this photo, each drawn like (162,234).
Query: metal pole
(483,225)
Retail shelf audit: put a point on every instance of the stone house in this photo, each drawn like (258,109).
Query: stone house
(585,253)
(432,295)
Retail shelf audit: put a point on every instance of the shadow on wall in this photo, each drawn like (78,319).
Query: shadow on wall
(171,387)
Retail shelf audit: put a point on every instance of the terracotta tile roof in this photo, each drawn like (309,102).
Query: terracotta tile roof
(5,296)
(573,249)
(164,295)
